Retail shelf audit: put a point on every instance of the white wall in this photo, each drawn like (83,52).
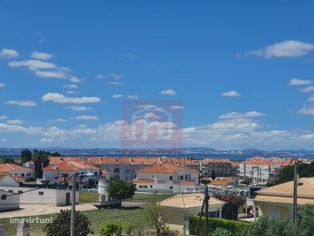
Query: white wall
(42,195)
(10,203)
(8,181)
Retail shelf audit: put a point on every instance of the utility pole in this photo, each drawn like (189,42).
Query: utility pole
(295,192)
(206,198)
(73,206)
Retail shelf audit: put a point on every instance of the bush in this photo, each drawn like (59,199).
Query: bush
(62,224)
(117,229)
(234,227)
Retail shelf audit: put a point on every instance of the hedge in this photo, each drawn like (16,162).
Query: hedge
(237,228)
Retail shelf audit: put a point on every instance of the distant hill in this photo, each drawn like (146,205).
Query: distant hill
(193,152)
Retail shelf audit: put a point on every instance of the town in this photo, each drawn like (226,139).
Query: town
(42,179)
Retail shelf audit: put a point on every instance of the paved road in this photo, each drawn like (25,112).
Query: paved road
(33,210)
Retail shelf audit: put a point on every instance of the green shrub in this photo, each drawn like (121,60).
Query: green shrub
(117,229)
(234,227)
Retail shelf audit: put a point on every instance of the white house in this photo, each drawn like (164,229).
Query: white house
(57,197)
(167,178)
(59,172)
(18,172)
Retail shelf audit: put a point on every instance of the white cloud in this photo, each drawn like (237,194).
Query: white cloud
(307,89)
(60,98)
(231,93)
(134,97)
(177,107)
(115,83)
(288,48)
(170,92)
(61,120)
(307,110)
(8,53)
(2,85)
(33,65)
(3,117)
(296,81)
(85,118)
(233,115)
(100,77)
(71,86)
(45,69)
(117,76)
(46,140)
(79,108)
(51,74)
(15,122)
(21,103)
(117,96)
(70,92)
(41,55)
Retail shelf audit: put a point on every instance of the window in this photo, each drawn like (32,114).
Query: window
(186,176)
(41,193)
(10,191)
(20,191)
(181,177)
(170,177)
(151,186)
(3,197)
(22,174)
(170,187)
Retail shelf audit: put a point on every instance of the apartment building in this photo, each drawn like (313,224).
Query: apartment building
(217,167)
(167,178)
(262,170)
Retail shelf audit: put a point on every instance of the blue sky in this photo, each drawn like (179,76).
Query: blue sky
(243,71)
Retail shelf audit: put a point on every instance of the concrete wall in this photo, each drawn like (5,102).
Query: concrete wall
(267,210)
(42,196)
(8,181)
(10,203)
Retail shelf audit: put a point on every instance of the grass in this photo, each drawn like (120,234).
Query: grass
(92,197)
(96,217)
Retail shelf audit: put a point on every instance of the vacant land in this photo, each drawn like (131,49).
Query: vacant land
(131,215)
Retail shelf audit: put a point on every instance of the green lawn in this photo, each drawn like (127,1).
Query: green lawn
(97,217)
(92,197)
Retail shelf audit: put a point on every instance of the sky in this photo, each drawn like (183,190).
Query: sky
(240,73)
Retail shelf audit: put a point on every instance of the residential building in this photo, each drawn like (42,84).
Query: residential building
(7,180)
(217,167)
(57,197)
(179,207)
(262,170)
(20,173)
(60,170)
(277,201)
(167,178)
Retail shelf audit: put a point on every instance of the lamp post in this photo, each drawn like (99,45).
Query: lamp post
(73,206)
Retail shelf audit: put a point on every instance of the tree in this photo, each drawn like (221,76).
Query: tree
(231,208)
(111,229)
(61,226)
(213,176)
(156,217)
(119,189)
(41,160)
(7,160)
(286,174)
(26,155)
(56,154)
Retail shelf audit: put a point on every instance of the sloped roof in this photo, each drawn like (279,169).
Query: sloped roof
(283,193)
(188,200)
(12,167)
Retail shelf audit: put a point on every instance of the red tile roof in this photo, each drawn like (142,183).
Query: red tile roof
(164,168)
(270,161)
(7,167)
